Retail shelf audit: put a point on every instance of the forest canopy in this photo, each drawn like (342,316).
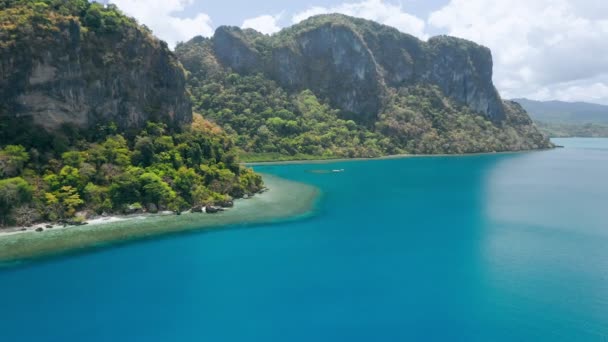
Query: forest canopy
(155,170)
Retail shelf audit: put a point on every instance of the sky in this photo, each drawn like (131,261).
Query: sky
(542,49)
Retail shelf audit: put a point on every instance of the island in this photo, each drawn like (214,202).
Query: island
(101,119)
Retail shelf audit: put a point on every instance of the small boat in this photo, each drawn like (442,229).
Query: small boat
(336,171)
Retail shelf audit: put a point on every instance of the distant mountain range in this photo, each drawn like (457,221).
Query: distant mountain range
(565,112)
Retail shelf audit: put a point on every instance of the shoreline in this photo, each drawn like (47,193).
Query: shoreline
(388,157)
(95,221)
(286,200)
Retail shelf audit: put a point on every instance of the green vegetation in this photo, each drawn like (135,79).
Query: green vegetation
(21,16)
(270,124)
(102,160)
(252,157)
(281,101)
(362,27)
(567,130)
(152,171)
(81,62)
(54,166)
(32,30)
(421,120)
(13,193)
(22,20)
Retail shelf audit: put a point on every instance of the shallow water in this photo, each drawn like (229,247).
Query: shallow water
(286,201)
(509,247)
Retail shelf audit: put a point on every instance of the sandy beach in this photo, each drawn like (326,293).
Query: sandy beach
(98,220)
(285,200)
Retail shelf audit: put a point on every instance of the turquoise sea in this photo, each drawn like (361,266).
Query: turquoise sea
(503,247)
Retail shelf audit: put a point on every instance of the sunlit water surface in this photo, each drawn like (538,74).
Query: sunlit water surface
(506,247)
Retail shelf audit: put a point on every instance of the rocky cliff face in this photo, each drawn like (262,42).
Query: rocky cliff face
(463,71)
(339,86)
(354,62)
(84,70)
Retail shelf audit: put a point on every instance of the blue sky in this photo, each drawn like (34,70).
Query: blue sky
(239,10)
(234,12)
(542,49)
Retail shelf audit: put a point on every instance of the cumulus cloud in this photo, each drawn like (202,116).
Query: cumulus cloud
(544,49)
(267,24)
(376,10)
(588,90)
(162,17)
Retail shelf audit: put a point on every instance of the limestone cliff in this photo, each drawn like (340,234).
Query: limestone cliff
(84,65)
(353,62)
(434,96)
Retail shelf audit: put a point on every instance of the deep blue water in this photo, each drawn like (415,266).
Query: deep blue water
(510,247)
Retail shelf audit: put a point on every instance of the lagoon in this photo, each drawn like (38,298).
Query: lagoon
(504,247)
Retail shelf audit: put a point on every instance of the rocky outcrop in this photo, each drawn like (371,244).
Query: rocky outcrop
(355,62)
(152,208)
(134,208)
(232,47)
(197,209)
(334,61)
(210,209)
(74,73)
(463,71)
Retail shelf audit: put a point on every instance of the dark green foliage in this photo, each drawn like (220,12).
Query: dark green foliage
(12,160)
(13,193)
(360,26)
(114,174)
(266,119)
(22,132)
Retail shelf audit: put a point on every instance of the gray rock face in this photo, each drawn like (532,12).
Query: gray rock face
(232,48)
(463,71)
(354,62)
(83,79)
(334,61)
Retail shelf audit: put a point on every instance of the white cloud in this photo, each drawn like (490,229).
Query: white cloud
(588,90)
(267,24)
(376,10)
(543,49)
(312,11)
(161,17)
